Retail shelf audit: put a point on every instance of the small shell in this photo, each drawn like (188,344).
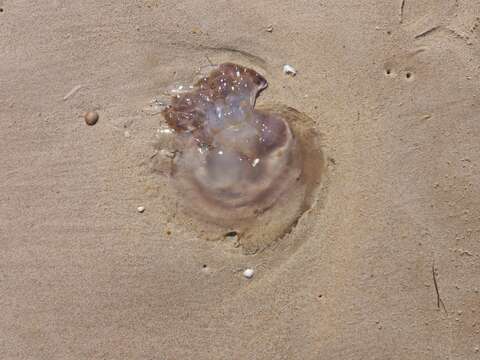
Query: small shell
(289,70)
(248,273)
(91,118)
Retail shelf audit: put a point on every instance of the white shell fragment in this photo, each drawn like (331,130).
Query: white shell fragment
(289,70)
(248,273)
(141,209)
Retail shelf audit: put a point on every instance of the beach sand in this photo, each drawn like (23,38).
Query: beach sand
(393,89)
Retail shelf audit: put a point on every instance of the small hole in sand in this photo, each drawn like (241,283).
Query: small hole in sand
(204,266)
(231,234)
(169,232)
(408,75)
(1,10)
(388,71)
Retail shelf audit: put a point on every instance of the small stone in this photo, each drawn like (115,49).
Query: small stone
(141,209)
(248,273)
(289,70)
(269,28)
(91,118)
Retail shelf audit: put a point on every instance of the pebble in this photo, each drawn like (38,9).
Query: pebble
(91,118)
(248,273)
(270,28)
(289,70)
(141,209)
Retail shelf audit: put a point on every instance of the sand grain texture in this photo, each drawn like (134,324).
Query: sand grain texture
(84,275)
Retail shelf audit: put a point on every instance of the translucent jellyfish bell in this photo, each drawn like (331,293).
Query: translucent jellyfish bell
(238,166)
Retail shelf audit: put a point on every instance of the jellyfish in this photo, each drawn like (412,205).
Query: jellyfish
(237,165)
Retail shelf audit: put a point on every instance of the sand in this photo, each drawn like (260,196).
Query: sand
(393,90)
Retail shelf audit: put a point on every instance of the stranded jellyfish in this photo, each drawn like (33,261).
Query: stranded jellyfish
(236,166)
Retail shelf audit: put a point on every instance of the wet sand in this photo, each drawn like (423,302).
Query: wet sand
(393,90)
